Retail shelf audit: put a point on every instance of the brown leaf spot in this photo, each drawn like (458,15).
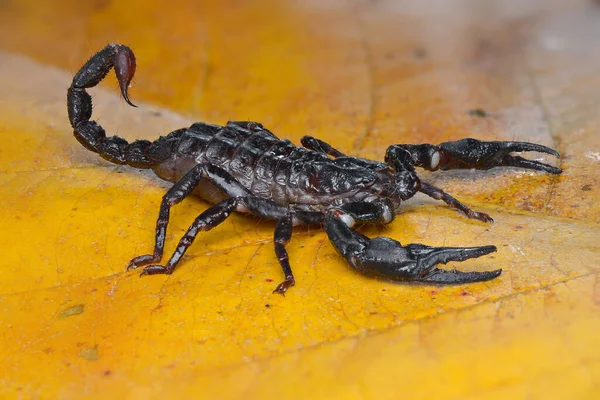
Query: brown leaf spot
(74,310)
(90,354)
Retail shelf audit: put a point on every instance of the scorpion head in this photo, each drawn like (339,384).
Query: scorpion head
(406,182)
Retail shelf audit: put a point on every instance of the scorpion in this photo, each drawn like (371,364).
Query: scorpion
(244,167)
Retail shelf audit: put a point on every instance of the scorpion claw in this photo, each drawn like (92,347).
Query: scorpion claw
(427,257)
(526,146)
(473,153)
(520,162)
(418,263)
(388,258)
(124,62)
(454,277)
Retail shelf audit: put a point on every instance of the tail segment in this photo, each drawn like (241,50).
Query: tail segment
(79,105)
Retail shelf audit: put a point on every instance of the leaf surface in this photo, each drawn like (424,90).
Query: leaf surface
(360,75)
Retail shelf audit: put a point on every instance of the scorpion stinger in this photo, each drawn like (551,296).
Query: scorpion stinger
(244,167)
(140,153)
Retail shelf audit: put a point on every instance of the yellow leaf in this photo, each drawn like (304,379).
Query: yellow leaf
(362,76)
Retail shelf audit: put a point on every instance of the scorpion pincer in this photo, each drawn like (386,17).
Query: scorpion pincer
(244,167)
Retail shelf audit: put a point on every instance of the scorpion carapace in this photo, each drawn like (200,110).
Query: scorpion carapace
(244,167)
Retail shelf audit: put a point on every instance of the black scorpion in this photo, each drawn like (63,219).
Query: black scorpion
(244,167)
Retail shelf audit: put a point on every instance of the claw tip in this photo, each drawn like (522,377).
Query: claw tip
(491,249)
(495,273)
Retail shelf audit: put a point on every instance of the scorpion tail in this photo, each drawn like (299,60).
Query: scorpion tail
(79,104)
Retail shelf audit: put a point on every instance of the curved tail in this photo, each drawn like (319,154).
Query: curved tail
(79,105)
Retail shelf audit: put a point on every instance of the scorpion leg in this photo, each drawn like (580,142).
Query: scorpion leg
(176,194)
(241,200)
(360,211)
(214,216)
(387,258)
(315,144)
(282,236)
(470,153)
(204,222)
(439,194)
(251,126)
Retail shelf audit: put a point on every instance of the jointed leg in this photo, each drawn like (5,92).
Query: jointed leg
(439,194)
(241,200)
(204,222)
(213,217)
(176,194)
(283,234)
(315,144)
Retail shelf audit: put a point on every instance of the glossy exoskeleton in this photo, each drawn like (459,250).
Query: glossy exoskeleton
(244,167)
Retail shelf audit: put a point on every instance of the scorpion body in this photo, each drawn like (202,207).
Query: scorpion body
(271,168)
(244,167)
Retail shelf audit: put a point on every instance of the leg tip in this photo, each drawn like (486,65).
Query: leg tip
(486,218)
(155,270)
(284,286)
